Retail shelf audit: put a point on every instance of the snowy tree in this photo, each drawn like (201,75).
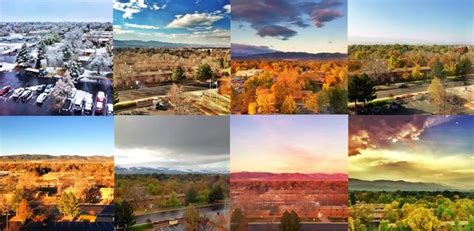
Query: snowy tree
(23,57)
(74,38)
(67,54)
(100,62)
(54,58)
(41,53)
(74,69)
(61,90)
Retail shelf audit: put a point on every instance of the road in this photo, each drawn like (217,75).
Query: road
(11,106)
(417,88)
(178,213)
(304,227)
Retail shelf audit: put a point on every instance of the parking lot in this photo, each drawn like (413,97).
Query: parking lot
(28,103)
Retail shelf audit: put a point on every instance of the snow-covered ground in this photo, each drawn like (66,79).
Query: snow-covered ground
(7,67)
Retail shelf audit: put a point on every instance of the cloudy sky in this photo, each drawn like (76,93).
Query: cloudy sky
(56,10)
(306,26)
(56,135)
(177,21)
(176,142)
(434,149)
(289,144)
(412,22)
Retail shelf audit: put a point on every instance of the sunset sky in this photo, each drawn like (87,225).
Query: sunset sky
(433,149)
(289,144)
(56,135)
(304,26)
(183,143)
(411,22)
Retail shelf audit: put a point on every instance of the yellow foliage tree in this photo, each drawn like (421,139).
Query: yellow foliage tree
(265,101)
(311,102)
(288,106)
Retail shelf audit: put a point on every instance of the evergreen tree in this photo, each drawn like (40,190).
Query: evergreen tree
(67,54)
(74,69)
(69,205)
(41,53)
(124,216)
(23,58)
(290,221)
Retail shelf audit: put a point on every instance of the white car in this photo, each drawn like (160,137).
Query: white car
(88,106)
(17,92)
(110,109)
(100,96)
(41,98)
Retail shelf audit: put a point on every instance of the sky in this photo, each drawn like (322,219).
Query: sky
(411,22)
(55,10)
(299,26)
(432,149)
(200,22)
(56,135)
(289,144)
(177,142)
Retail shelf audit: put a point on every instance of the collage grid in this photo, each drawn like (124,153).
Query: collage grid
(215,115)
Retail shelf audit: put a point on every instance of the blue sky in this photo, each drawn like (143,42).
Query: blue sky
(176,21)
(279,143)
(304,26)
(56,135)
(412,22)
(56,10)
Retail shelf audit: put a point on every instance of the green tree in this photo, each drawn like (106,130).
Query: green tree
(41,53)
(361,89)
(384,226)
(204,72)
(178,74)
(173,201)
(437,70)
(23,58)
(74,69)
(67,54)
(191,196)
(290,221)
(216,194)
(338,100)
(124,216)
(463,66)
(191,216)
(69,205)
(238,221)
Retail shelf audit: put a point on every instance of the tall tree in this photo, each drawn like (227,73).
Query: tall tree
(23,57)
(124,216)
(238,221)
(191,216)
(288,106)
(191,196)
(290,221)
(178,74)
(69,205)
(361,89)
(204,72)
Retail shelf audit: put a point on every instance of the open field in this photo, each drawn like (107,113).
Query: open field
(172,80)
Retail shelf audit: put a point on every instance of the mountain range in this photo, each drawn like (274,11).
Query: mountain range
(157,44)
(267,176)
(390,185)
(243,52)
(160,170)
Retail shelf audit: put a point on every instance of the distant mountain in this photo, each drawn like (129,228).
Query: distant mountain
(235,176)
(156,44)
(242,50)
(148,170)
(280,55)
(30,157)
(389,185)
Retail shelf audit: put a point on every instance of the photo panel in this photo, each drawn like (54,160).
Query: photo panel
(402,64)
(172,172)
(172,57)
(289,57)
(56,58)
(56,173)
(289,172)
(411,172)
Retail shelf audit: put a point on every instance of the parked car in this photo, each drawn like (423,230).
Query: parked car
(78,102)
(99,108)
(17,92)
(49,88)
(110,109)
(41,98)
(162,105)
(26,95)
(88,106)
(40,88)
(5,90)
(66,106)
(100,97)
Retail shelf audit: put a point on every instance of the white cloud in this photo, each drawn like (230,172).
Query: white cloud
(138,26)
(195,20)
(119,30)
(227,8)
(129,8)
